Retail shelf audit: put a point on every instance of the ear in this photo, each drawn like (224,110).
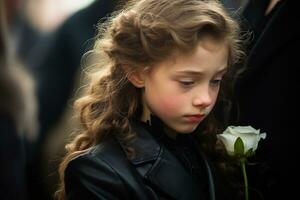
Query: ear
(137,78)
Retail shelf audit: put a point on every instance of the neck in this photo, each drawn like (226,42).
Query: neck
(146,113)
(146,117)
(170,132)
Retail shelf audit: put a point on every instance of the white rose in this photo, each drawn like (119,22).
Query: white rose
(249,136)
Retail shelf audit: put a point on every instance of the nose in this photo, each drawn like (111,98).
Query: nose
(203,98)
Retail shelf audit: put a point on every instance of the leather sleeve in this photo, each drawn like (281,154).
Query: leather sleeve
(88,177)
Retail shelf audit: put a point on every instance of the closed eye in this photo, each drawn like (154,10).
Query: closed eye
(186,83)
(216,82)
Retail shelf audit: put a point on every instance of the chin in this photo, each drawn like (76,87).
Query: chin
(186,130)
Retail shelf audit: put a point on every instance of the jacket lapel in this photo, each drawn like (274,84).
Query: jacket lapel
(161,169)
(169,176)
(208,167)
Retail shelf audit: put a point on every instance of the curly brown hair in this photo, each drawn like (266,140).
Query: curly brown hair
(144,32)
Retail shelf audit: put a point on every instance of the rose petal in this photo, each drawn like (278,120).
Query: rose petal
(263,135)
(228,141)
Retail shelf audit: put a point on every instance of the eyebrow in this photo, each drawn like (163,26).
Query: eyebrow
(195,73)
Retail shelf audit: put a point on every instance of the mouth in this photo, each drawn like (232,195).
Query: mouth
(194,118)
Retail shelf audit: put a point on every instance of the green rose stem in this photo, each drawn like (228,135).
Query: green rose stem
(243,163)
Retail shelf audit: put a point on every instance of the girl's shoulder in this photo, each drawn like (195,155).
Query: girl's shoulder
(100,165)
(104,154)
(111,155)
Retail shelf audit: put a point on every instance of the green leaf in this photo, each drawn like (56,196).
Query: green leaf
(239,147)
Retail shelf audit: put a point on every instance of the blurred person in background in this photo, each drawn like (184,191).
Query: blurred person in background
(18,116)
(264,95)
(52,52)
(56,72)
(35,22)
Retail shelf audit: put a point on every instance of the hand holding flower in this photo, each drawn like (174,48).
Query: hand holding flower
(241,142)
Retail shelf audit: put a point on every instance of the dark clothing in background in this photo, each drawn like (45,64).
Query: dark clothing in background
(56,73)
(12,154)
(266,97)
(55,61)
(12,160)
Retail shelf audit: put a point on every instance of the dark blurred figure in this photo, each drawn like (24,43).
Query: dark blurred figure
(56,72)
(17,117)
(266,96)
(55,65)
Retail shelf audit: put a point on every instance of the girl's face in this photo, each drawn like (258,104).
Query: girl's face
(183,89)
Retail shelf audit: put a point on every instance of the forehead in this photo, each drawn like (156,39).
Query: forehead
(208,56)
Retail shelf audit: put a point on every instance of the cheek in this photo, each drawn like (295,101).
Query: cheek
(165,102)
(171,103)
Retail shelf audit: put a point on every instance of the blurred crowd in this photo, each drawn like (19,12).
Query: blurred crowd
(42,43)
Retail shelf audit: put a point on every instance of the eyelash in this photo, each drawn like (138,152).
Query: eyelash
(216,82)
(190,83)
(186,83)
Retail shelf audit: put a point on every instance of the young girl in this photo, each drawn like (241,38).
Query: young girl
(160,67)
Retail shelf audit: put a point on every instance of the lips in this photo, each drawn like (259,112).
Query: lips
(194,118)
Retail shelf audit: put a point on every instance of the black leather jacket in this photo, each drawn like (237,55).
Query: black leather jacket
(105,172)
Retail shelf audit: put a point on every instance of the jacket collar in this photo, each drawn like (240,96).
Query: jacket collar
(162,169)
(145,146)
